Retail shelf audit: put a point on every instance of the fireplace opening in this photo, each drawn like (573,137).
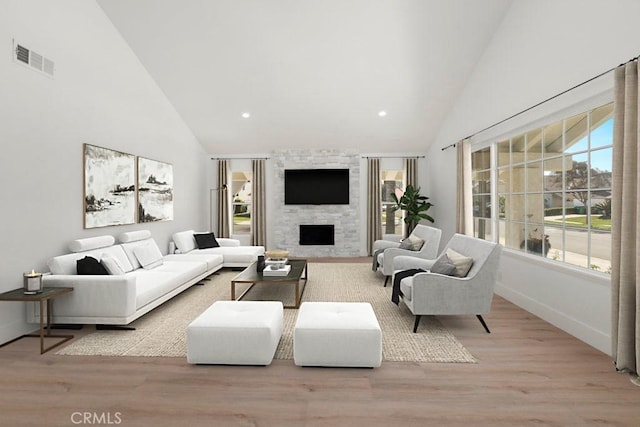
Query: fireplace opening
(317,235)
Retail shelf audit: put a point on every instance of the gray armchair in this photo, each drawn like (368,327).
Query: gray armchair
(386,250)
(436,294)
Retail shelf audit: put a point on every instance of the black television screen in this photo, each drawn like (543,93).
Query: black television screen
(316,186)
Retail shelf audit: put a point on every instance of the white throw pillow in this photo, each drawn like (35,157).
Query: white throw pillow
(148,256)
(185,241)
(111,264)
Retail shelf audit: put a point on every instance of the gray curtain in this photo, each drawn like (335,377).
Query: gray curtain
(223,199)
(374,205)
(464,203)
(625,223)
(258,202)
(411,169)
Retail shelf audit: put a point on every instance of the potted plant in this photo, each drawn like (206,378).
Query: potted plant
(414,205)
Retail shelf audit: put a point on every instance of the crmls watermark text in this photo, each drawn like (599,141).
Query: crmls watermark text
(96,418)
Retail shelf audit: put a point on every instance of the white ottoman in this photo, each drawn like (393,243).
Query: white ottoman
(337,334)
(236,333)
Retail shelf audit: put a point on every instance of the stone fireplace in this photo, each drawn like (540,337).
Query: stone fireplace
(344,220)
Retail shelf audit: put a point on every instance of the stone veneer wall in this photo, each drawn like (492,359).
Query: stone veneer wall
(345,218)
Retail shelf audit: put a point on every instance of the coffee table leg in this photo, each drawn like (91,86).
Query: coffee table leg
(233,290)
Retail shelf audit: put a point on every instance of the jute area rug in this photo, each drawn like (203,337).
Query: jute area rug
(162,332)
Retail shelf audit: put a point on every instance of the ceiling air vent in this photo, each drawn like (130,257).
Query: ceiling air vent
(35,60)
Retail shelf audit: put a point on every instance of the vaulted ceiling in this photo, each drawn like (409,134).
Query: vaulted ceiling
(311,73)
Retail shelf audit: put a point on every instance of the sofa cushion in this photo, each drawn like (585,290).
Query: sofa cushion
(134,236)
(212,260)
(206,240)
(66,264)
(148,255)
(153,284)
(90,243)
(185,241)
(406,287)
(88,265)
(234,256)
(111,264)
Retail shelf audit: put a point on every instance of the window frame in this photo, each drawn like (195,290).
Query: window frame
(234,204)
(387,204)
(587,107)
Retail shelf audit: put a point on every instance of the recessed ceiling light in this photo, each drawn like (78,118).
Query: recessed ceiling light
(382,113)
(246,115)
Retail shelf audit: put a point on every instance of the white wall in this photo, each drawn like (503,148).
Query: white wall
(541,48)
(101,95)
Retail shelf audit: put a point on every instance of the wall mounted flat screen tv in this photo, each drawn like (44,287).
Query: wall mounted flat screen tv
(316,186)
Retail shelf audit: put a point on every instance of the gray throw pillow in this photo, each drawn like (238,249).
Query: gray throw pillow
(412,243)
(463,264)
(444,266)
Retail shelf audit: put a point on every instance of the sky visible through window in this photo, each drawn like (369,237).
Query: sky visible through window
(600,137)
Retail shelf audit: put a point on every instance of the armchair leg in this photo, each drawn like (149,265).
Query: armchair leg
(483,323)
(386,280)
(415,325)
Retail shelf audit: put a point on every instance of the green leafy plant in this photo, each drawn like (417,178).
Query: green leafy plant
(414,205)
(605,208)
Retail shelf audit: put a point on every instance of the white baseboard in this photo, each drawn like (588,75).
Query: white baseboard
(15,329)
(578,329)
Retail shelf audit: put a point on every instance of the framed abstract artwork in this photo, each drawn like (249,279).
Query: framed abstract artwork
(109,187)
(155,190)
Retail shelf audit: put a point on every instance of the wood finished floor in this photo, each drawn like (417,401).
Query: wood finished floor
(529,373)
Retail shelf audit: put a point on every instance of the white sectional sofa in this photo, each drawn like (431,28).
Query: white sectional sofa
(119,299)
(233,254)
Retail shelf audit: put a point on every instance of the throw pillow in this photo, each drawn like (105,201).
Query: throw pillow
(111,264)
(148,256)
(443,265)
(463,264)
(206,240)
(90,266)
(412,243)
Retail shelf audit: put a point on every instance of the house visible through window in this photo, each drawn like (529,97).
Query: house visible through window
(241,202)
(392,182)
(552,190)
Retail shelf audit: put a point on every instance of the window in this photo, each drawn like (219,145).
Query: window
(552,190)
(392,182)
(481,182)
(241,203)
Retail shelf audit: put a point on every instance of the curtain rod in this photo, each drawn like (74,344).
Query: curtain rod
(542,102)
(392,157)
(240,158)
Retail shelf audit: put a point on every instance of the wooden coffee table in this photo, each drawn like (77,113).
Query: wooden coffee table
(297,275)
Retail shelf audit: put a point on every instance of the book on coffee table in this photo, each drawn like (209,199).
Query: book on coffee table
(277,270)
(270,261)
